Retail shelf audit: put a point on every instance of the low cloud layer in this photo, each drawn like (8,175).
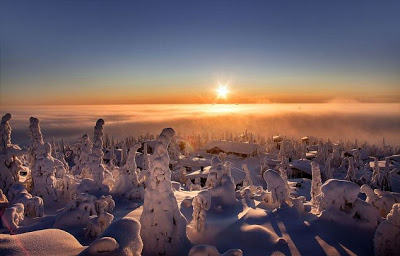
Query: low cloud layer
(366,122)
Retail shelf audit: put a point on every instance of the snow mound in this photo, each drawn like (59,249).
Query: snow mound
(40,243)
(208,250)
(122,237)
(387,235)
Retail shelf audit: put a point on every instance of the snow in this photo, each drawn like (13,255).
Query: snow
(277,186)
(98,205)
(163,225)
(233,147)
(237,174)
(387,235)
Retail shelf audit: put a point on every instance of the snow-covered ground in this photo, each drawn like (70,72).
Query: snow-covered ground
(114,198)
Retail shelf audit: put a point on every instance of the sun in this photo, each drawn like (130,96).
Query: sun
(222,91)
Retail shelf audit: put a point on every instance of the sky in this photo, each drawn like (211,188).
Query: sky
(126,52)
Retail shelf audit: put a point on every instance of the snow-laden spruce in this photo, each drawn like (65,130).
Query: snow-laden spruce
(163,227)
(10,155)
(44,166)
(201,204)
(387,235)
(316,182)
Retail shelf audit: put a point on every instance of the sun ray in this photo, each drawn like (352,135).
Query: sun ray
(222,91)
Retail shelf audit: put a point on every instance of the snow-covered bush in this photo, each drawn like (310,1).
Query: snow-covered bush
(337,194)
(202,250)
(381,200)
(366,213)
(97,224)
(298,204)
(277,187)
(162,224)
(220,183)
(122,237)
(316,182)
(201,204)
(387,235)
(33,206)
(12,217)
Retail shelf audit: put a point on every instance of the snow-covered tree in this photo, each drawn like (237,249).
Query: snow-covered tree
(10,163)
(163,226)
(351,171)
(247,181)
(127,181)
(376,180)
(145,164)
(381,200)
(337,194)
(97,168)
(82,150)
(316,182)
(201,204)
(277,187)
(44,166)
(328,170)
(386,179)
(5,132)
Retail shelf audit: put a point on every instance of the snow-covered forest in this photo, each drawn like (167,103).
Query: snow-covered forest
(197,194)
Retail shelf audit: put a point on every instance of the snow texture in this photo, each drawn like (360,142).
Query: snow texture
(208,250)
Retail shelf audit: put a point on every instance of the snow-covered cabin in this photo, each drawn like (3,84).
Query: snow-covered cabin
(241,149)
(237,174)
(310,140)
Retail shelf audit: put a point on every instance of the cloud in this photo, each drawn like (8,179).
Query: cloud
(366,122)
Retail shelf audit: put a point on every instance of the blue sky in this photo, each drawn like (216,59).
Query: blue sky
(167,51)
